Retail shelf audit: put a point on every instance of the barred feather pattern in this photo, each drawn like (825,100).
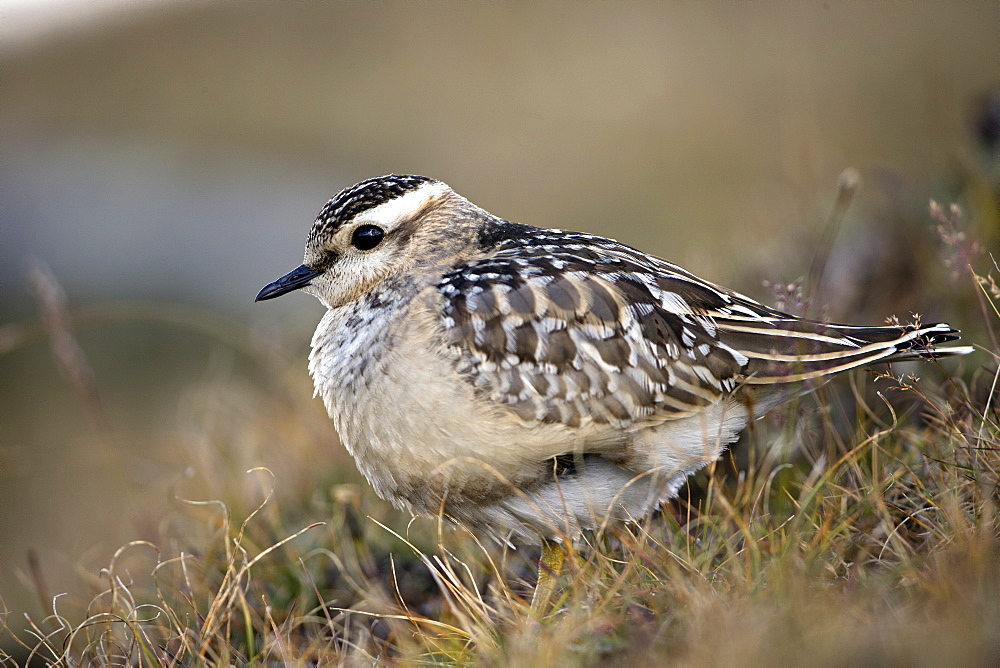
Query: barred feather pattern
(570,328)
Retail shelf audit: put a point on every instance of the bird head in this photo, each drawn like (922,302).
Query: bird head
(376,229)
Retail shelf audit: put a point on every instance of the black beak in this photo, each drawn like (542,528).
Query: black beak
(293,280)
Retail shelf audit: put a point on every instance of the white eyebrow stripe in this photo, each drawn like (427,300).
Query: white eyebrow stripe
(388,214)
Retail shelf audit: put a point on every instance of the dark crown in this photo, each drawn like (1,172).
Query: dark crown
(368,194)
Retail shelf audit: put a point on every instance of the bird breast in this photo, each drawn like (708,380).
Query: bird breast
(417,439)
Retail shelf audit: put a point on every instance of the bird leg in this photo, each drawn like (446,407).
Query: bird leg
(549,566)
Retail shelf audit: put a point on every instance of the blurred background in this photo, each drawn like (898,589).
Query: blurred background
(163,160)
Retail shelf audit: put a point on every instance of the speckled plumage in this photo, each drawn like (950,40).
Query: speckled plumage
(530,382)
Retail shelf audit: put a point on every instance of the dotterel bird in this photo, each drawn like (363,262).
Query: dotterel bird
(531,382)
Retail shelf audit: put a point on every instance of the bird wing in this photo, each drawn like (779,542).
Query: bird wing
(569,332)
(563,327)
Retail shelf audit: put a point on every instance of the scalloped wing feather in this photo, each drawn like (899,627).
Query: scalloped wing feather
(569,335)
(563,327)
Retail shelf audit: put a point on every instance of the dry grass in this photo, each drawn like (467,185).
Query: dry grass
(873,540)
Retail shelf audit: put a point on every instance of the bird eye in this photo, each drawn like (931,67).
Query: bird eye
(367,237)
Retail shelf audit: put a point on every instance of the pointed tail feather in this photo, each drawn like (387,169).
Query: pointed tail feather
(787,350)
(926,344)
